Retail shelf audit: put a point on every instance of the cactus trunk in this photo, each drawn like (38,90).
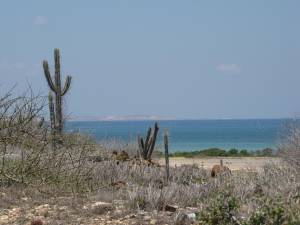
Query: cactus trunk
(52,120)
(166,144)
(52,114)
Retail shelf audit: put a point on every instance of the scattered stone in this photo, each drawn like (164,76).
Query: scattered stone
(101,207)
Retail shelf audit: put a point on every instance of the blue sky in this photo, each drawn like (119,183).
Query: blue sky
(185,59)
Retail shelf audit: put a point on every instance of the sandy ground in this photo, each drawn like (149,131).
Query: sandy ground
(234,163)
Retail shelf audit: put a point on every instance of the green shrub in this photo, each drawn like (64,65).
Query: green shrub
(221,211)
(233,152)
(216,152)
(268,213)
(244,152)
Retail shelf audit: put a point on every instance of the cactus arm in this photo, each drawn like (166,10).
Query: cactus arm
(148,138)
(48,76)
(67,85)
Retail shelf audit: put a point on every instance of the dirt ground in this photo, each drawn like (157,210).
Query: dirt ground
(234,163)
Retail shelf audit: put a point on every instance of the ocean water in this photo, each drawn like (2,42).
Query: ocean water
(190,135)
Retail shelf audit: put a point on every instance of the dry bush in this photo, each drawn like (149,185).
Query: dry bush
(289,148)
(26,150)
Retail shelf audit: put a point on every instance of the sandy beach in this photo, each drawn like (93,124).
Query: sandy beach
(234,163)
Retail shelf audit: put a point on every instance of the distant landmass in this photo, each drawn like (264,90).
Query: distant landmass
(120,118)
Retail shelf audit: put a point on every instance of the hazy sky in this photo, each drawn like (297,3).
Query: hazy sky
(188,59)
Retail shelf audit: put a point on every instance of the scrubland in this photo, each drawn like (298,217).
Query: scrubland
(71,179)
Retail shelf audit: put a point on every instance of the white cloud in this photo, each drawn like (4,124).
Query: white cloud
(231,68)
(40,20)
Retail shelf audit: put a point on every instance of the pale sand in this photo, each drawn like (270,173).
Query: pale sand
(234,163)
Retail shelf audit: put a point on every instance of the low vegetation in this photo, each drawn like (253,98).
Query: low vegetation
(215,152)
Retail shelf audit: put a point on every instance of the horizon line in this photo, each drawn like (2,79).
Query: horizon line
(179,119)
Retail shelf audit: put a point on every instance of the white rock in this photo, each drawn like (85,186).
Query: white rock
(101,207)
(191,216)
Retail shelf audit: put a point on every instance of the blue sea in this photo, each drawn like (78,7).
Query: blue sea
(191,135)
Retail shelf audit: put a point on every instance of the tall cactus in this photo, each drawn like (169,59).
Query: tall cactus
(56,87)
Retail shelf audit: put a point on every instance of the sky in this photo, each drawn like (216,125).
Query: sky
(187,59)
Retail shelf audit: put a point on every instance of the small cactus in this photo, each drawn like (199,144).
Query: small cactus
(146,147)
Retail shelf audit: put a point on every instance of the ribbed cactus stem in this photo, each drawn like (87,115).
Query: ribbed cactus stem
(52,113)
(56,88)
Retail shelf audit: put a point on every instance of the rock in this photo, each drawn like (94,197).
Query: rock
(4,218)
(37,222)
(191,216)
(42,210)
(147,217)
(170,208)
(185,219)
(130,216)
(101,207)
(153,221)
(62,208)
(24,199)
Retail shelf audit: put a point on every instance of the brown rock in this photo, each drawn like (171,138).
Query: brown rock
(218,169)
(36,222)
